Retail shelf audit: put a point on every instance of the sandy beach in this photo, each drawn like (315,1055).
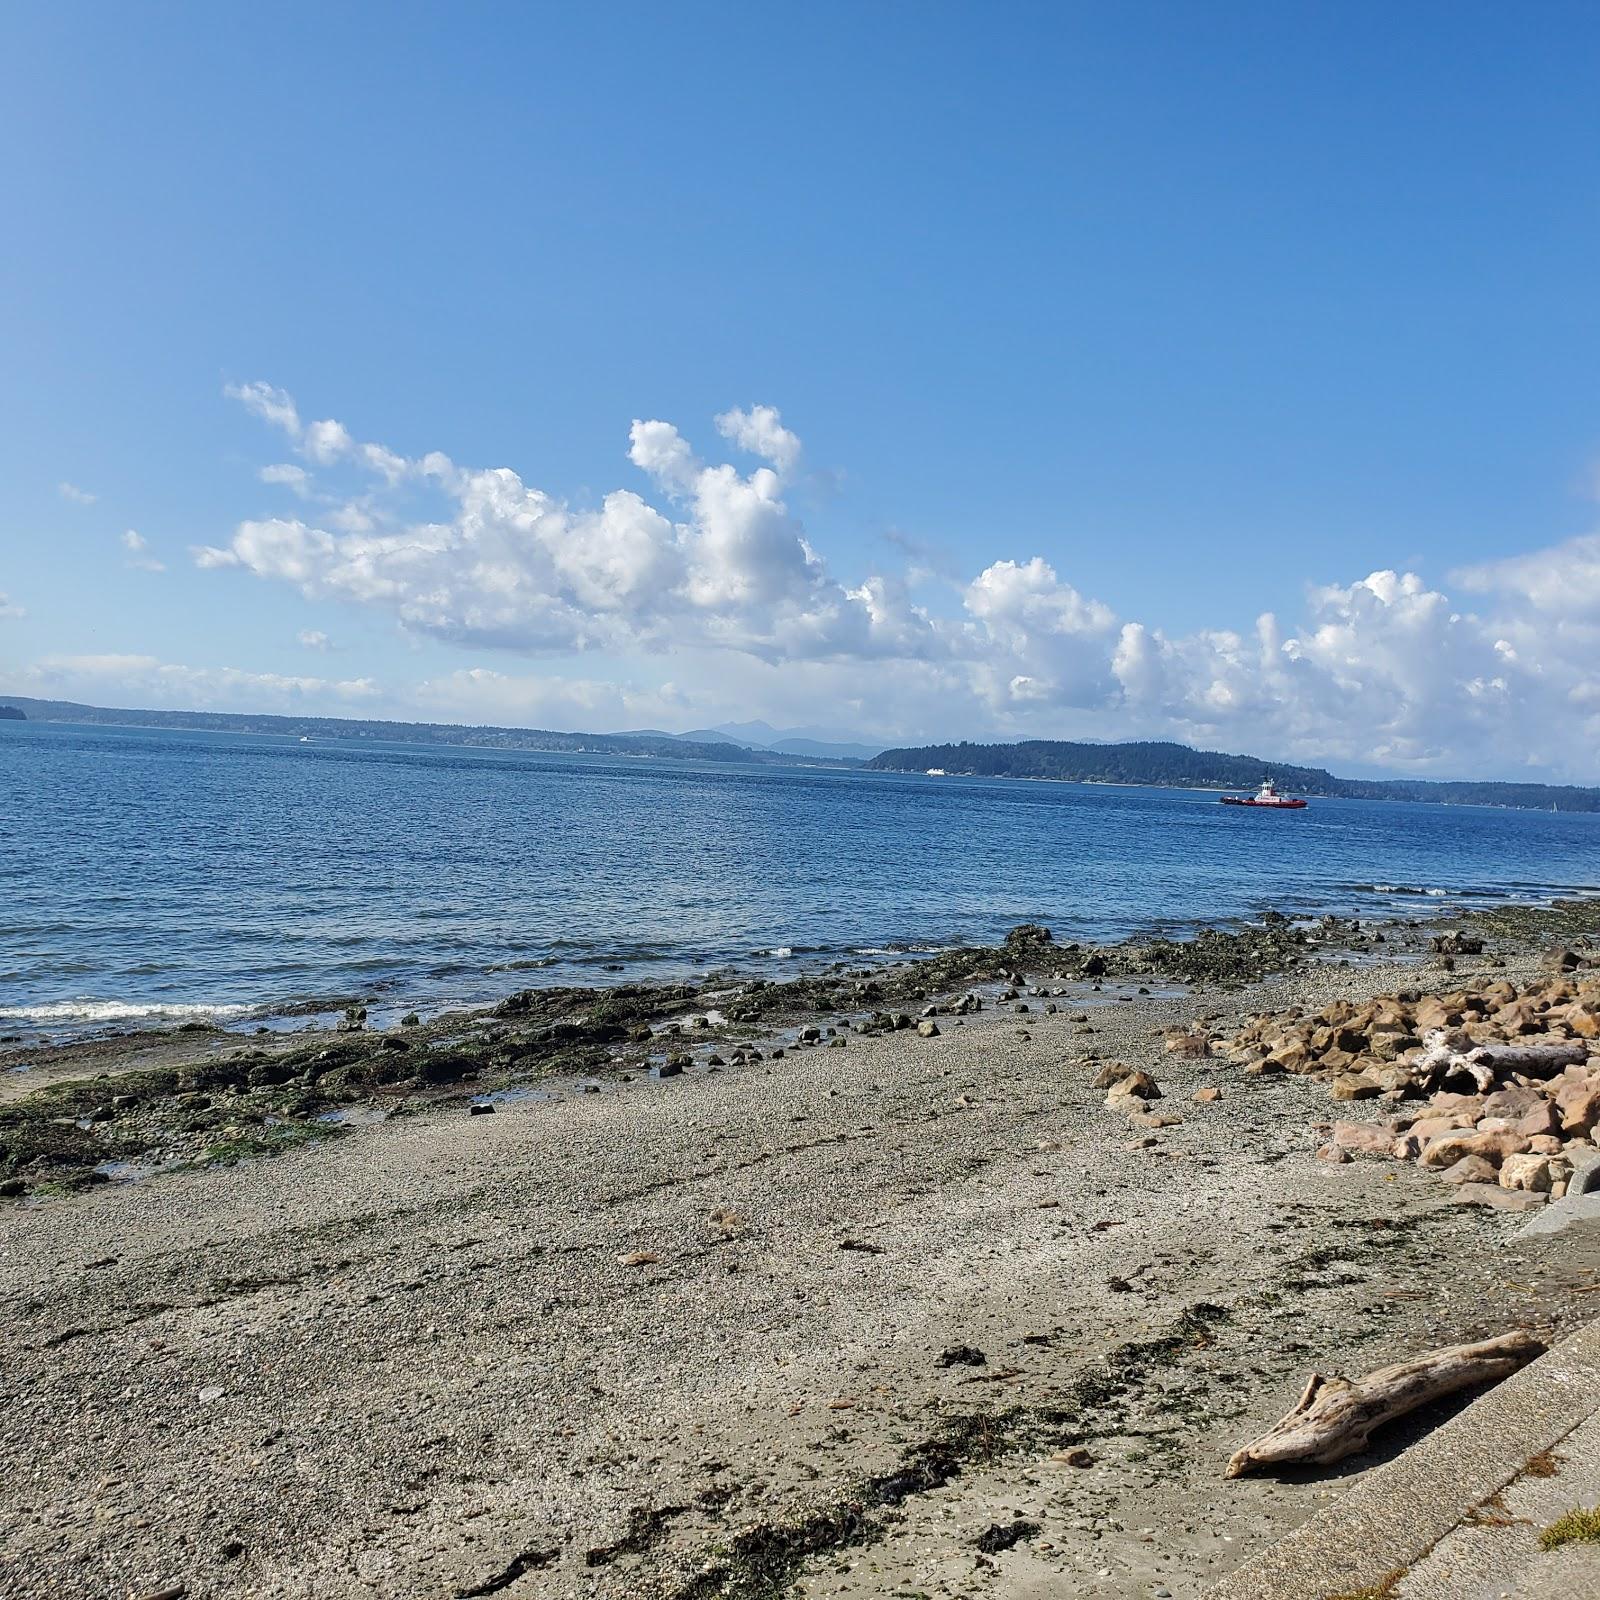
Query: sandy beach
(918,1316)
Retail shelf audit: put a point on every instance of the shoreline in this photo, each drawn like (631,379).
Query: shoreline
(818,1322)
(25,1029)
(266,1091)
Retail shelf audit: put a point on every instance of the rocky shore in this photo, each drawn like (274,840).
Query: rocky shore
(852,1286)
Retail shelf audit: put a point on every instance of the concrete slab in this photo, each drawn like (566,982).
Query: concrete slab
(1580,1210)
(1495,1552)
(1391,1518)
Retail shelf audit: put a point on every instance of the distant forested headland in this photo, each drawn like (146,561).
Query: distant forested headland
(1176,766)
(649,742)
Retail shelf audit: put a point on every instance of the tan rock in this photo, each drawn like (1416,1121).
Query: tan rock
(1467,1107)
(1266,1066)
(1208,1094)
(1578,1102)
(1354,1086)
(1132,1086)
(1526,1172)
(1292,1057)
(1366,1138)
(1449,1148)
(1545,1144)
(1333,1153)
(1110,1073)
(1469,1169)
(1429,1128)
(1141,1118)
(1583,1019)
(1489,1194)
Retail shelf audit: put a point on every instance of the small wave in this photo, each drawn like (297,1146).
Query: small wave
(781,951)
(117,1011)
(1407,888)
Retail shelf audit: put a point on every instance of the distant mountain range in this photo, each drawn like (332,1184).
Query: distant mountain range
(1177,766)
(712,745)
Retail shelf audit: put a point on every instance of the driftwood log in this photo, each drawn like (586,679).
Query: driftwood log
(1336,1416)
(1450,1054)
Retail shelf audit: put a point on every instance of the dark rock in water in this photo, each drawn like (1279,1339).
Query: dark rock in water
(666,1069)
(962,1355)
(1003,1535)
(411,1020)
(481,1108)
(1030,933)
(1094,967)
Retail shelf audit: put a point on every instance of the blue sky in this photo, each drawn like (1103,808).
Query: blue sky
(1101,331)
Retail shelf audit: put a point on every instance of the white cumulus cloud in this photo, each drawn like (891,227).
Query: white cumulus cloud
(79,497)
(708,561)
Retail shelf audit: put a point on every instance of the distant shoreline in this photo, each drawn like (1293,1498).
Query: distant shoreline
(1168,765)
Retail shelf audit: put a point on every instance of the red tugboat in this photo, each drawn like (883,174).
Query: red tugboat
(1267,797)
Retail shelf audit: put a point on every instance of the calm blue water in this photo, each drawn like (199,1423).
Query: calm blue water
(143,873)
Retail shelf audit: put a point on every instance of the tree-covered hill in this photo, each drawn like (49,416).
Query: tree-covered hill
(1170,765)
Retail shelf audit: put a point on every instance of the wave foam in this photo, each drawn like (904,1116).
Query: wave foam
(116,1011)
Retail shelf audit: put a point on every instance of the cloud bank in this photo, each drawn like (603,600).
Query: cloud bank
(707,560)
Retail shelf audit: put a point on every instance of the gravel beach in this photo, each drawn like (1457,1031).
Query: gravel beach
(915,1317)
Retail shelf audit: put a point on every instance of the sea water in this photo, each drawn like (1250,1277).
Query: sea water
(152,876)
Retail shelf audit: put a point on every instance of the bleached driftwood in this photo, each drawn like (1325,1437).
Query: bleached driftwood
(1451,1054)
(1336,1416)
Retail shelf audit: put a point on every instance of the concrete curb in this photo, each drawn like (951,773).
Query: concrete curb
(1396,1513)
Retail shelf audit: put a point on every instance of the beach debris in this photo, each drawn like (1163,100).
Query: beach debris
(1336,1416)
(1000,1536)
(865,1246)
(638,1258)
(962,1355)
(481,1108)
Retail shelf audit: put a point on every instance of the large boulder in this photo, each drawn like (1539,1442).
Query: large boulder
(1449,1148)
